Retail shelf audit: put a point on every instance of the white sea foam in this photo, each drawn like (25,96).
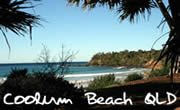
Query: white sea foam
(2,80)
(86,75)
(102,74)
(84,79)
(121,67)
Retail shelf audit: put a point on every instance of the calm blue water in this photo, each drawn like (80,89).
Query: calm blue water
(6,68)
(77,71)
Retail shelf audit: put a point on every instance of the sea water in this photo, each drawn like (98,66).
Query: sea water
(77,71)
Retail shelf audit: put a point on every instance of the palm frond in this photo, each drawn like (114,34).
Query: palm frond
(171,51)
(7,42)
(93,3)
(13,18)
(126,8)
(133,8)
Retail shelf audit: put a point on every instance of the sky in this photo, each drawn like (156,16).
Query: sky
(82,31)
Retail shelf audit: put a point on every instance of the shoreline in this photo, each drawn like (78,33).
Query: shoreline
(82,79)
(82,82)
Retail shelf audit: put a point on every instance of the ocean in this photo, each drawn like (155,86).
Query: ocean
(77,71)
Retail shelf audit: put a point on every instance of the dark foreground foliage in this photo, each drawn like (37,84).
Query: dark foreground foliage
(47,84)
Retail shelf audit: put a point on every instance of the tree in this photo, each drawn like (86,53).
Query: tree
(65,58)
(13,18)
(130,9)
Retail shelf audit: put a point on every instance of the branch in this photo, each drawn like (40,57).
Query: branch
(165,14)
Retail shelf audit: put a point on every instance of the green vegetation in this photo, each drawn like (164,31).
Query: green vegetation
(133,77)
(47,84)
(162,72)
(124,58)
(102,82)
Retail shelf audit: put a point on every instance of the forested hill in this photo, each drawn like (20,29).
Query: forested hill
(124,58)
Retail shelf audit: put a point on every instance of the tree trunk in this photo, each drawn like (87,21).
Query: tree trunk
(165,13)
(175,12)
(172,18)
